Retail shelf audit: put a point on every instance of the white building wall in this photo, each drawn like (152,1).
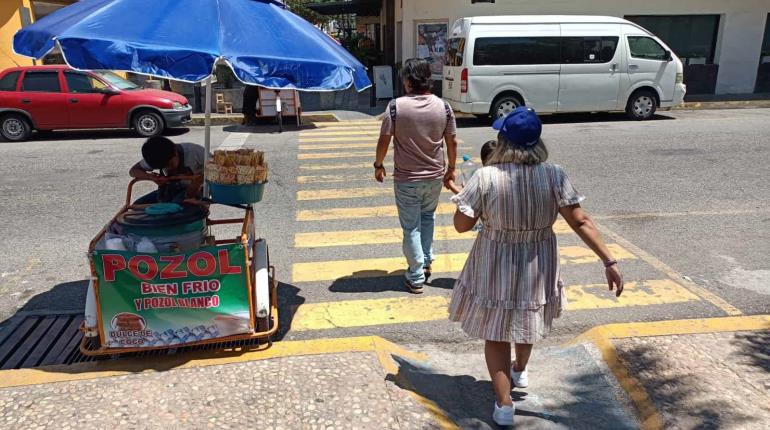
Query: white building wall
(742,25)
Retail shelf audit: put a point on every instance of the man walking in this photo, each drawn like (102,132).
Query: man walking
(420,123)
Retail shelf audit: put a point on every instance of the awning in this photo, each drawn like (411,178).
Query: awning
(358,7)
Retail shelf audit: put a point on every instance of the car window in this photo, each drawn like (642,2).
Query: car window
(503,51)
(646,48)
(46,82)
(82,83)
(577,50)
(9,81)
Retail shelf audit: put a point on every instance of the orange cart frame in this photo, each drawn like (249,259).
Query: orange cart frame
(247,230)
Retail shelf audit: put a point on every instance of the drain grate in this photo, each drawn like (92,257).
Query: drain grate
(37,339)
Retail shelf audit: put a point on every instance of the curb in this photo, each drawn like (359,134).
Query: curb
(384,349)
(733,104)
(602,337)
(198,120)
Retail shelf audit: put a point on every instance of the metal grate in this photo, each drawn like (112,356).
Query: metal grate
(34,340)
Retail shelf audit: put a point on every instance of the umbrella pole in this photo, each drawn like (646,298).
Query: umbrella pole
(207,132)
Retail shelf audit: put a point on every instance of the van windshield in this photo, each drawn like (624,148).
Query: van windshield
(455,52)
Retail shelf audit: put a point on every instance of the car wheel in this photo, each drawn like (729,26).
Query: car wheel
(148,124)
(504,105)
(641,105)
(15,128)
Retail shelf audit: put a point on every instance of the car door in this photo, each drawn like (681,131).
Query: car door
(650,64)
(591,68)
(91,103)
(42,97)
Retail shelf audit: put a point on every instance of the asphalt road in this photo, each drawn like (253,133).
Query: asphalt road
(685,197)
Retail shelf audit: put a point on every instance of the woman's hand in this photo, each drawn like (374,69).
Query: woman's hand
(614,279)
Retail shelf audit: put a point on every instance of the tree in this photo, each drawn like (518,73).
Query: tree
(299,7)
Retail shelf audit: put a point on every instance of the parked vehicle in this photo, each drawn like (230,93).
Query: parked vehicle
(559,64)
(48,98)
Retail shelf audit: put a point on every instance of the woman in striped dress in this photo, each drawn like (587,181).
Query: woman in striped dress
(510,289)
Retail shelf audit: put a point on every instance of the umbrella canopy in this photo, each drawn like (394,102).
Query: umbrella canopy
(261,41)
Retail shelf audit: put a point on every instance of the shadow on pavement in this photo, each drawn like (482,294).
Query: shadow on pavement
(755,346)
(60,135)
(680,395)
(563,118)
(380,281)
(469,402)
(289,300)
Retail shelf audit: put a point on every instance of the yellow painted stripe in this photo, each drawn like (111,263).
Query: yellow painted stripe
(385,235)
(347,193)
(362,313)
(444,263)
(366,212)
(356,165)
(343,146)
(357,123)
(332,133)
(331,179)
(338,139)
(331,155)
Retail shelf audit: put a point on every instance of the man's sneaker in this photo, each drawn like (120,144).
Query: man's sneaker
(413,287)
(519,379)
(503,416)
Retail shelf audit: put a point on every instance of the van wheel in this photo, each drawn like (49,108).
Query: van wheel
(505,105)
(148,124)
(15,128)
(641,105)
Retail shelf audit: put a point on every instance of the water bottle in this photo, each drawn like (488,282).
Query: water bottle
(467,168)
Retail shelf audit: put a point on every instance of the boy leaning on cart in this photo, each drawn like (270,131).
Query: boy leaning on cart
(170,159)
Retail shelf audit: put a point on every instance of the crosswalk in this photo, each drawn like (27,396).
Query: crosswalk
(348,238)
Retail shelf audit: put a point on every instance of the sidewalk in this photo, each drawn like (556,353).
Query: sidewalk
(710,373)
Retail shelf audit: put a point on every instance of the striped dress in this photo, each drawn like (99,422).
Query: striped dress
(510,289)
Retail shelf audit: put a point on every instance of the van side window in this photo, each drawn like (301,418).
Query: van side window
(509,51)
(579,50)
(646,48)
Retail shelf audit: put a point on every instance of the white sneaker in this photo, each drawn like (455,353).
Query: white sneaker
(503,416)
(519,379)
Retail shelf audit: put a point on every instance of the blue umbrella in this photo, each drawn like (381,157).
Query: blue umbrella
(262,42)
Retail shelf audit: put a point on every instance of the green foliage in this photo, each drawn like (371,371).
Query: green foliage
(298,7)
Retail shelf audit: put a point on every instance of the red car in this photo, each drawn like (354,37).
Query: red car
(47,98)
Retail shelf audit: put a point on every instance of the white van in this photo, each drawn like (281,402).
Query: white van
(559,64)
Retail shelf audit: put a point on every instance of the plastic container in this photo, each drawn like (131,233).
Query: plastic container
(467,168)
(236,194)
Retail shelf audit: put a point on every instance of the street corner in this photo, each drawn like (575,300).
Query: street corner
(668,369)
(333,383)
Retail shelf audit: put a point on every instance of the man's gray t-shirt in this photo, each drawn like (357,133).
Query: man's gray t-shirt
(421,123)
(194,158)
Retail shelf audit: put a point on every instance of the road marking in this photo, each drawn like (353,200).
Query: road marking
(363,313)
(355,166)
(332,133)
(347,193)
(673,274)
(330,179)
(343,146)
(303,139)
(330,155)
(365,212)
(234,140)
(366,123)
(386,235)
(445,263)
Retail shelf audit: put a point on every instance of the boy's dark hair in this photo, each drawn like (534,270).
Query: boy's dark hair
(157,151)
(486,150)
(417,72)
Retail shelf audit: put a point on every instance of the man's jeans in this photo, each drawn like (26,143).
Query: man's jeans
(417,202)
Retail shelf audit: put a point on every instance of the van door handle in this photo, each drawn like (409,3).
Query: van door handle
(633,67)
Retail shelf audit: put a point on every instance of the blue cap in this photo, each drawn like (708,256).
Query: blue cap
(466,157)
(521,127)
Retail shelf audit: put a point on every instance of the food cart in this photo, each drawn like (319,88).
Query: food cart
(149,291)
(194,289)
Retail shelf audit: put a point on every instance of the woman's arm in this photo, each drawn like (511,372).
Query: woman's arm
(463,222)
(581,223)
